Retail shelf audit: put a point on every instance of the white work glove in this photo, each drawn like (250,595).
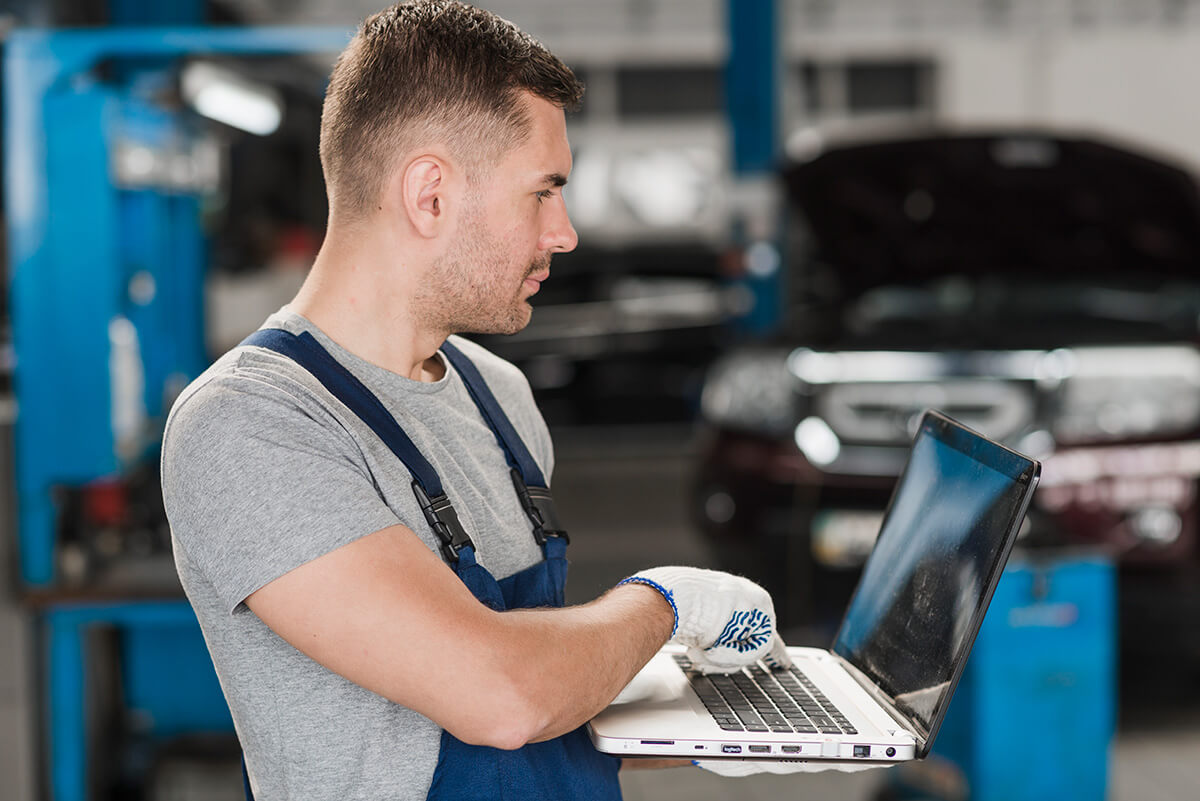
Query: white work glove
(725,621)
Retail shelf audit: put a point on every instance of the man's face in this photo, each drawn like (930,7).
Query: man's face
(508,229)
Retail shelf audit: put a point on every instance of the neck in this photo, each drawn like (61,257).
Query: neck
(361,296)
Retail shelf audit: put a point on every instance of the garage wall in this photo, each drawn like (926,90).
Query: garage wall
(1138,86)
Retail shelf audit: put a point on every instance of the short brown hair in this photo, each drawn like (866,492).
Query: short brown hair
(432,70)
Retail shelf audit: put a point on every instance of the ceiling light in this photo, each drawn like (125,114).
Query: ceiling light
(227,97)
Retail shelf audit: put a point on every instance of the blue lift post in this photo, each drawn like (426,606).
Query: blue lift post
(85,255)
(752,104)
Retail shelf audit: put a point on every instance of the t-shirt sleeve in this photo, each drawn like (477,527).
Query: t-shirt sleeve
(258,482)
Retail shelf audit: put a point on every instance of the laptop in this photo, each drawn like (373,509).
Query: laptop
(880,693)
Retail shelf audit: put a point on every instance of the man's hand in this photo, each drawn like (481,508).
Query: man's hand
(725,621)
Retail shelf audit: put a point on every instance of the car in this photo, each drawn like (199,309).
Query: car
(1041,288)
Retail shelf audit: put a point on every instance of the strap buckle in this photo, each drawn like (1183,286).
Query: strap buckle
(539,505)
(444,521)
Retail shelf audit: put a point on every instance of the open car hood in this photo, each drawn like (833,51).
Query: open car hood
(1014,204)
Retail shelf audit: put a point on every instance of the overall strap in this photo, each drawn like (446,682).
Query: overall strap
(342,384)
(527,477)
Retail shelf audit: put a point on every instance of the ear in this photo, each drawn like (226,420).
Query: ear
(424,190)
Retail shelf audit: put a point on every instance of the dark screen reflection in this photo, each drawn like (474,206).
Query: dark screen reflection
(915,606)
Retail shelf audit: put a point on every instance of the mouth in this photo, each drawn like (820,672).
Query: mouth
(534,282)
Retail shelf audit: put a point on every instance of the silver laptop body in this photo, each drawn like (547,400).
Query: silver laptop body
(881,692)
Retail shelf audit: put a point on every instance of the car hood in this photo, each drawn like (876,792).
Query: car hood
(1023,205)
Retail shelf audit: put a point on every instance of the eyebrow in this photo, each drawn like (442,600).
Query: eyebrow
(555,179)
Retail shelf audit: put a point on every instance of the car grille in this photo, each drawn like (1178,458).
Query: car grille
(887,413)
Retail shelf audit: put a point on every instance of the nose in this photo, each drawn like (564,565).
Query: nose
(559,235)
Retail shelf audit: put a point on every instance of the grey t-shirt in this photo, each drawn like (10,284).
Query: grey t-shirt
(263,470)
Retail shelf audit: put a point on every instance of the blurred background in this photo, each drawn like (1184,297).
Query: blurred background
(801,223)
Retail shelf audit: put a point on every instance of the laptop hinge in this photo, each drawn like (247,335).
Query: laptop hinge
(884,700)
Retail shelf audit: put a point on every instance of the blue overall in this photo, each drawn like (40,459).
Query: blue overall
(567,767)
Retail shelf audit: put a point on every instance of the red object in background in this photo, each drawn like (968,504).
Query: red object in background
(297,245)
(105,503)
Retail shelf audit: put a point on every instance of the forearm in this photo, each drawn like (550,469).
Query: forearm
(386,613)
(569,663)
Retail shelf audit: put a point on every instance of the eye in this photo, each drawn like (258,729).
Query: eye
(545,194)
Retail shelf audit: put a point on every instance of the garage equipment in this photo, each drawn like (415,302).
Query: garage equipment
(107,176)
(1042,674)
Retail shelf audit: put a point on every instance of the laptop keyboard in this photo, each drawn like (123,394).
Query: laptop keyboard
(755,699)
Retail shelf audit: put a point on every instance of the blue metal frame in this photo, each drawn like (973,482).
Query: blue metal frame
(63,217)
(65,629)
(75,240)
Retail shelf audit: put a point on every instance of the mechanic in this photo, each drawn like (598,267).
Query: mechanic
(359,498)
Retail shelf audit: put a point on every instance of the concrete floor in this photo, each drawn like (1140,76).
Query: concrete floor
(16,707)
(16,680)
(624,495)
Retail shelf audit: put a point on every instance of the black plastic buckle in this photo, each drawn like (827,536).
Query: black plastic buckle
(444,520)
(539,505)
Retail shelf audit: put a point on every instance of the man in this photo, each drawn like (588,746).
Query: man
(369,645)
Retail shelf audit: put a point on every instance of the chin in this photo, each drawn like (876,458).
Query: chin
(515,326)
(501,327)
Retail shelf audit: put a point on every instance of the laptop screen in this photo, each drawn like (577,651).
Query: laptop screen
(926,585)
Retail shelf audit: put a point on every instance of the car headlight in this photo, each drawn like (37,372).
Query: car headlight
(753,391)
(1126,393)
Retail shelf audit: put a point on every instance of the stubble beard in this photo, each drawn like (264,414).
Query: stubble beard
(471,290)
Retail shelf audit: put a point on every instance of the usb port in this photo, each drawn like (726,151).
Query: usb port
(862,750)
(731,749)
(791,749)
(760,749)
